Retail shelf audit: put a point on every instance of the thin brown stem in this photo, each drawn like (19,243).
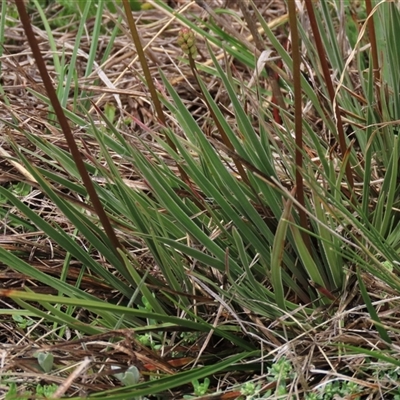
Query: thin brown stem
(66,128)
(331,91)
(221,130)
(252,25)
(374,53)
(298,119)
(149,79)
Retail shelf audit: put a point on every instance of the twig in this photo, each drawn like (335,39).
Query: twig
(67,384)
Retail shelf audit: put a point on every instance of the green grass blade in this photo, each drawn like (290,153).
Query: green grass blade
(371,309)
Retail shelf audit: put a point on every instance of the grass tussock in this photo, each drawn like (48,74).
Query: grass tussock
(199,200)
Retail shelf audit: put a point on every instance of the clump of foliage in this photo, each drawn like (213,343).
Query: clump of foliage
(235,240)
(40,391)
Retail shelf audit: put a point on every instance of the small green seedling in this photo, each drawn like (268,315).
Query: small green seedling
(46,391)
(336,389)
(22,322)
(46,361)
(200,389)
(129,377)
(249,389)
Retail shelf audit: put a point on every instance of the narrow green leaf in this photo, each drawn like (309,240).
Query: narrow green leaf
(371,309)
(277,255)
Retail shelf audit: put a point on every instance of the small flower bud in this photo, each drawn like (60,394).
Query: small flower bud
(186,41)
